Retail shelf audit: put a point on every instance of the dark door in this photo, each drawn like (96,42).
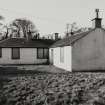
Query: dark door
(52,56)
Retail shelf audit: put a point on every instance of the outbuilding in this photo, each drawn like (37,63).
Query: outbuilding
(60,54)
(81,52)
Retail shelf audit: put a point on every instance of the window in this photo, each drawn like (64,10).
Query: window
(51,59)
(62,54)
(0,52)
(42,53)
(15,53)
(45,55)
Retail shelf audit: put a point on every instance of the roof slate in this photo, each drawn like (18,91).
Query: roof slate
(23,43)
(68,41)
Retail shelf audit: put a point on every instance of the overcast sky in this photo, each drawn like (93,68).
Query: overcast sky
(51,16)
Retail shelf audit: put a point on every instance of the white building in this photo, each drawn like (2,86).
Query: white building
(60,54)
(22,51)
(81,52)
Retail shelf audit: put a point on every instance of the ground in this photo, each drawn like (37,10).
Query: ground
(57,87)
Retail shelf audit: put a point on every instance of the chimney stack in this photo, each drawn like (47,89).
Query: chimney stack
(56,36)
(97,20)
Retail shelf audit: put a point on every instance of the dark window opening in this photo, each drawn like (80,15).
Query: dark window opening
(42,53)
(15,53)
(0,52)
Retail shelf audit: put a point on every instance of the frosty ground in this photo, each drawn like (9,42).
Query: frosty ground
(48,85)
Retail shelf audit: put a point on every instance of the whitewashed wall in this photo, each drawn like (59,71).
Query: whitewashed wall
(27,56)
(51,56)
(88,53)
(67,65)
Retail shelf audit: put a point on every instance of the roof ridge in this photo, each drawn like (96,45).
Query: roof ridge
(4,40)
(70,39)
(14,42)
(84,34)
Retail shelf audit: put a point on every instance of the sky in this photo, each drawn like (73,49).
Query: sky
(51,16)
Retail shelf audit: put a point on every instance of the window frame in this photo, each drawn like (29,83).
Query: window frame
(43,56)
(0,52)
(15,58)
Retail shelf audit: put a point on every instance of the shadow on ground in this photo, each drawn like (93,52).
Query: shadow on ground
(29,69)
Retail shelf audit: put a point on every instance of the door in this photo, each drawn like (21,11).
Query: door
(52,56)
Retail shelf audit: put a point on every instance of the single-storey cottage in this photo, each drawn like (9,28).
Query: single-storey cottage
(60,54)
(22,51)
(81,52)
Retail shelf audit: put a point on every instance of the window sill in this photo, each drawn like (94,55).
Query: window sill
(15,58)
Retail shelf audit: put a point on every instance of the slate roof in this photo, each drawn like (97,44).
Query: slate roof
(23,43)
(68,41)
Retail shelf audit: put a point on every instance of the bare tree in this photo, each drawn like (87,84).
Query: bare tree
(73,28)
(67,29)
(26,26)
(2,26)
(1,17)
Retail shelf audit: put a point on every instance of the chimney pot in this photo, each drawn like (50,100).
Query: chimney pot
(56,36)
(97,20)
